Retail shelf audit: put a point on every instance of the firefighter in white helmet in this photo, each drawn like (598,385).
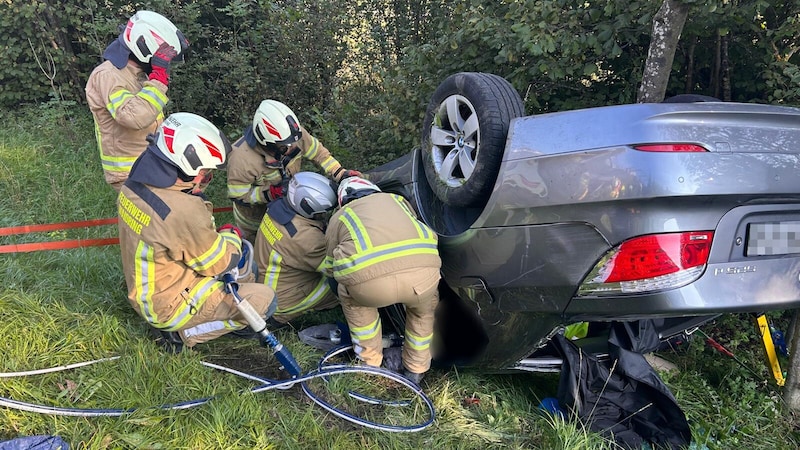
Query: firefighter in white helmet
(290,247)
(381,254)
(263,160)
(172,252)
(127,93)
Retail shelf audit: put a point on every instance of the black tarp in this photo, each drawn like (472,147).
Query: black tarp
(622,397)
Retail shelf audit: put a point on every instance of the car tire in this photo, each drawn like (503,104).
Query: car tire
(462,154)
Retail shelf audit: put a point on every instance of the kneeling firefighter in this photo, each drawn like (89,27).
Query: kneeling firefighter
(172,253)
(290,247)
(381,254)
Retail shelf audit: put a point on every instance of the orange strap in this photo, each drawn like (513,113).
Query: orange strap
(24,229)
(60,245)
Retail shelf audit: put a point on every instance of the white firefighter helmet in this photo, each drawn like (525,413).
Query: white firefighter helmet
(310,194)
(147,30)
(192,143)
(355,187)
(275,123)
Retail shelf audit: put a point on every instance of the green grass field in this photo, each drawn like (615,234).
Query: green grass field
(68,306)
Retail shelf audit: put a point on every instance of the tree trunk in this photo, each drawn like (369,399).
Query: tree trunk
(667,27)
(725,69)
(715,73)
(689,86)
(791,393)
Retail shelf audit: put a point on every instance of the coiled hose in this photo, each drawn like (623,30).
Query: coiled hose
(323,370)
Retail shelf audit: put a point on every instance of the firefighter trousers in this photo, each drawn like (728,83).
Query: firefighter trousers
(219,315)
(417,289)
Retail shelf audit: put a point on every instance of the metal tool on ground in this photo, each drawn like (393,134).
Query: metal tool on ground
(259,325)
(769,349)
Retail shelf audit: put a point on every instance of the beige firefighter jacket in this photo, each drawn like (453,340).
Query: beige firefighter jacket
(377,235)
(170,249)
(126,107)
(289,251)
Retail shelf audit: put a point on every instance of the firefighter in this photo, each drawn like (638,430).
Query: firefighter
(127,93)
(270,152)
(172,254)
(381,254)
(290,247)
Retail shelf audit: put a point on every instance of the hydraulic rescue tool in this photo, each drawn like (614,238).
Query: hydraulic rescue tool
(259,325)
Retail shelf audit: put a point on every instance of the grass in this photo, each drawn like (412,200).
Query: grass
(69,306)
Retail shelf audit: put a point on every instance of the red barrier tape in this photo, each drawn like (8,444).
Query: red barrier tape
(60,245)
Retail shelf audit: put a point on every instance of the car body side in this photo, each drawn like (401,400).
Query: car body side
(571,186)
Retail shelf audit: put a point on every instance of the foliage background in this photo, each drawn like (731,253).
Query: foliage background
(359,73)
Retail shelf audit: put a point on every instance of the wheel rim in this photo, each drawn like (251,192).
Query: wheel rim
(455,140)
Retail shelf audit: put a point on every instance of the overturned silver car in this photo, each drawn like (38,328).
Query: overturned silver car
(676,211)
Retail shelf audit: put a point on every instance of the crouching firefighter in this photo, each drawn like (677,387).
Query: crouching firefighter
(271,151)
(381,254)
(172,252)
(290,247)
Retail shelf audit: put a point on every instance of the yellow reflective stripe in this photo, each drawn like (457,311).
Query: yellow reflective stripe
(311,152)
(154,97)
(422,230)
(327,264)
(366,332)
(112,163)
(320,291)
(144,276)
(349,265)
(367,255)
(116,100)
(197,297)
(232,238)
(273,270)
(254,197)
(357,231)
(215,253)
(417,342)
(330,164)
(244,221)
(238,190)
(272,176)
(210,327)
(97,137)
(117,163)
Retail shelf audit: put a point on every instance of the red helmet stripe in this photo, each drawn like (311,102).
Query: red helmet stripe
(213,150)
(128,30)
(271,129)
(169,135)
(159,39)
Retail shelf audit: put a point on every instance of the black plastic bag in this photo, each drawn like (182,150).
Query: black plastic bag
(622,398)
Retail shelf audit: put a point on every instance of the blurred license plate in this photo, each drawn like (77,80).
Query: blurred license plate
(773,238)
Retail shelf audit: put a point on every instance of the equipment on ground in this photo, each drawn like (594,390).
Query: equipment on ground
(259,325)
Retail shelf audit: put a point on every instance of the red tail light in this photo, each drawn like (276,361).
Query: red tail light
(670,148)
(649,263)
(660,254)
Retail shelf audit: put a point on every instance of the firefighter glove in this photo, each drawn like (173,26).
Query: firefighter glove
(276,192)
(161,61)
(350,173)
